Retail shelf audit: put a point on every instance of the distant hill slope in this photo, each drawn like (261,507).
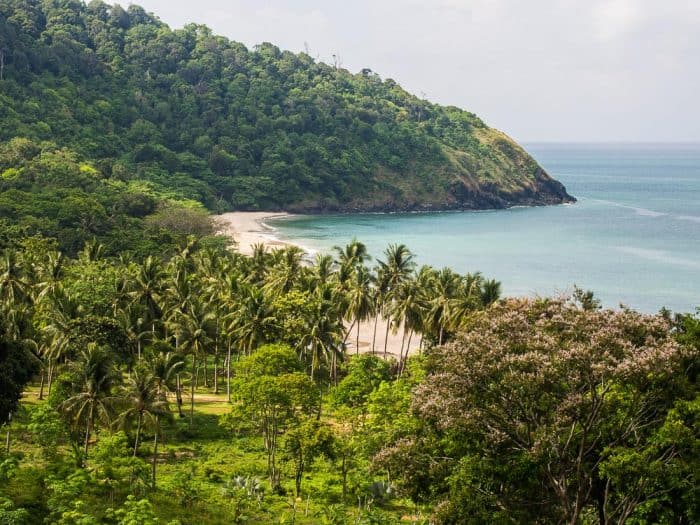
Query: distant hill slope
(203,117)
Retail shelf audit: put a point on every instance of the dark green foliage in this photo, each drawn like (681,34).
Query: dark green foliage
(364,375)
(198,116)
(17,365)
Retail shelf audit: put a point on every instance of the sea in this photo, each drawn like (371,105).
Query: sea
(633,236)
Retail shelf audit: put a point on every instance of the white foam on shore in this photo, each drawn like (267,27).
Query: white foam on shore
(272,235)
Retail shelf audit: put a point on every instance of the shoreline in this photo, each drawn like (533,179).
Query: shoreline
(247,228)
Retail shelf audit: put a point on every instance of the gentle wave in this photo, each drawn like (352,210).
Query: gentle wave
(644,212)
(693,218)
(659,256)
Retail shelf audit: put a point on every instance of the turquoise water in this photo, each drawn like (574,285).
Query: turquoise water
(632,238)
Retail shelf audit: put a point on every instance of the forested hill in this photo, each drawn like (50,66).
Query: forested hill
(199,116)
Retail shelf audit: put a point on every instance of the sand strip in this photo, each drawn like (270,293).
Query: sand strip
(247,228)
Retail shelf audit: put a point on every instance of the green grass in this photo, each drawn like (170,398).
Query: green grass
(194,464)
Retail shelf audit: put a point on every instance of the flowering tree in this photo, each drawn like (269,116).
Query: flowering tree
(531,414)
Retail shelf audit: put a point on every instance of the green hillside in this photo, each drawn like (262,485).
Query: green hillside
(196,116)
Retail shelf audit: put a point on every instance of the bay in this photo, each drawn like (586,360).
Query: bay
(633,237)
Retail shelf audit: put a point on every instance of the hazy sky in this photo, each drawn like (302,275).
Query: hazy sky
(566,70)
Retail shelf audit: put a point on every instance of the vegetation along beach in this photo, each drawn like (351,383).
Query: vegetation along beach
(243,284)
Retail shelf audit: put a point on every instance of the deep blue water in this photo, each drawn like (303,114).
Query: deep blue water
(633,237)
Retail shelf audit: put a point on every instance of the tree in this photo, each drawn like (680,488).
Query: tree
(271,394)
(17,365)
(360,300)
(533,399)
(192,326)
(254,320)
(92,379)
(144,400)
(322,337)
(304,443)
(397,268)
(364,374)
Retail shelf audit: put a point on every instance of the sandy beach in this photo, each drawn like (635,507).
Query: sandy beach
(247,228)
(393,346)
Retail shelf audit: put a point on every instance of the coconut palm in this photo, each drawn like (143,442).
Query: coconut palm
(142,401)
(323,334)
(408,310)
(192,326)
(147,290)
(58,310)
(443,288)
(321,271)
(397,267)
(253,320)
(360,299)
(354,254)
(287,270)
(490,292)
(468,299)
(93,378)
(13,287)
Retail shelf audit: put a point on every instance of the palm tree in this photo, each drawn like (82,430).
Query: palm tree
(192,326)
(354,254)
(408,308)
(360,299)
(164,366)
(142,400)
(396,269)
(260,262)
(322,338)
(147,290)
(93,378)
(58,309)
(92,251)
(254,319)
(321,271)
(443,288)
(490,292)
(467,301)
(287,271)
(51,272)
(13,288)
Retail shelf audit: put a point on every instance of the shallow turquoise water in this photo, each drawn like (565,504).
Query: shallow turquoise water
(633,237)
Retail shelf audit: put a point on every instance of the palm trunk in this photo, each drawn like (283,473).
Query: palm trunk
(347,334)
(88,430)
(50,380)
(194,373)
(228,372)
(357,339)
(374,334)
(403,343)
(408,349)
(386,336)
(216,361)
(41,387)
(155,452)
(178,394)
(206,362)
(139,422)
(313,360)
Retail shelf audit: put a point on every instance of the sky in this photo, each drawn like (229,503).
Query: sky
(540,70)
